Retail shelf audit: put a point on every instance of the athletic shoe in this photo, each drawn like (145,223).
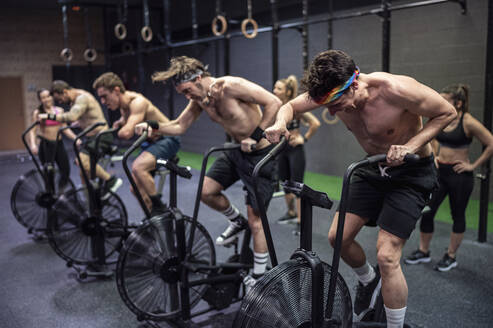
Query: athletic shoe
(366,295)
(446,263)
(112,184)
(287,218)
(249,282)
(229,235)
(418,257)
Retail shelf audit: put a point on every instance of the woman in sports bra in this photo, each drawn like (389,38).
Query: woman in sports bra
(292,160)
(451,148)
(46,133)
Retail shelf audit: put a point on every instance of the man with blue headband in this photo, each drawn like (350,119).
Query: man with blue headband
(234,103)
(384,112)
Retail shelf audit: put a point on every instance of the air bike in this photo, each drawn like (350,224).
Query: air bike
(305,292)
(36,191)
(168,264)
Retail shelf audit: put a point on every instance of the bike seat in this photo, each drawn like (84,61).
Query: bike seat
(172,166)
(317,198)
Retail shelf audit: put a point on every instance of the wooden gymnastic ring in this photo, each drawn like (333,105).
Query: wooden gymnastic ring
(244,24)
(327,119)
(146,33)
(66,54)
(90,55)
(120,31)
(224,25)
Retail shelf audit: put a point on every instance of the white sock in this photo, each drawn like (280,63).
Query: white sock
(259,263)
(231,212)
(365,273)
(395,317)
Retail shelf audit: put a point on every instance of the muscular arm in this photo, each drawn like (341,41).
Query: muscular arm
(69,133)
(136,115)
(77,110)
(297,106)
(479,131)
(424,101)
(183,122)
(32,135)
(253,93)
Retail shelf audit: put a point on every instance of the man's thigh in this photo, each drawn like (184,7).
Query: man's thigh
(401,210)
(146,161)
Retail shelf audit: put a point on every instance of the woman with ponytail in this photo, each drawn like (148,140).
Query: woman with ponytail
(451,148)
(292,160)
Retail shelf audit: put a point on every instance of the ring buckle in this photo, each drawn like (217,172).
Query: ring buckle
(146,33)
(244,24)
(224,25)
(66,54)
(120,31)
(90,55)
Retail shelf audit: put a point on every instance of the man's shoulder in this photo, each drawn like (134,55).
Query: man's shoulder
(387,82)
(84,96)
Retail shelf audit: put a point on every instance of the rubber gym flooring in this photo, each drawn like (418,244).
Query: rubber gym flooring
(38,290)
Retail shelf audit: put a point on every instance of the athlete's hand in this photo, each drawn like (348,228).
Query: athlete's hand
(396,153)
(42,117)
(274,133)
(141,127)
(461,166)
(117,124)
(246,145)
(34,150)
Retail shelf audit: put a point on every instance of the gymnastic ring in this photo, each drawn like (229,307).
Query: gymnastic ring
(244,24)
(146,33)
(224,25)
(90,55)
(66,54)
(327,119)
(120,31)
(127,47)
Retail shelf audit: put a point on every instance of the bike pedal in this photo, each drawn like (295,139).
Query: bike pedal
(234,242)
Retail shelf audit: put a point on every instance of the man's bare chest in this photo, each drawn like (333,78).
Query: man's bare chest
(374,123)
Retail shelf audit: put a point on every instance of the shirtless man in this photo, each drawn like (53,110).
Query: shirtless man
(234,103)
(134,109)
(86,110)
(383,111)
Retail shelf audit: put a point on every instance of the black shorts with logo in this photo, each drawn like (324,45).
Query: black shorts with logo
(234,165)
(392,197)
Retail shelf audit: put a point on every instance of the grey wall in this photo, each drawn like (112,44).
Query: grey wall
(434,44)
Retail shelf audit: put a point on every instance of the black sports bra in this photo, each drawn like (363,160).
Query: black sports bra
(456,138)
(293,125)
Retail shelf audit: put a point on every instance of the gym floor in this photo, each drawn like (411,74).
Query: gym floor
(38,290)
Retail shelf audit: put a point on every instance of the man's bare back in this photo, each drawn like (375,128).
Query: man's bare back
(151,112)
(86,110)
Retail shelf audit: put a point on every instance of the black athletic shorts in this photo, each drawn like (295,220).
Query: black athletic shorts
(292,164)
(105,143)
(234,165)
(392,197)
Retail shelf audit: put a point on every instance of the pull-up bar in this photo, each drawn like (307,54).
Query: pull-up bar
(376,11)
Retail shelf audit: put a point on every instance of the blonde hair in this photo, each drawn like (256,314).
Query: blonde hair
(291,84)
(179,67)
(109,80)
